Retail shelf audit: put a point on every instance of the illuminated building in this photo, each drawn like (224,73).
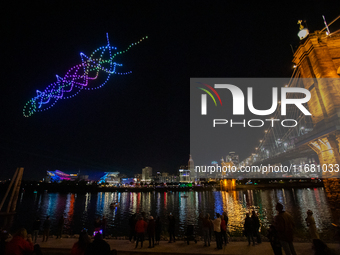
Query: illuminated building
(147,173)
(127,181)
(184,174)
(138,178)
(166,178)
(111,178)
(203,175)
(57,176)
(191,168)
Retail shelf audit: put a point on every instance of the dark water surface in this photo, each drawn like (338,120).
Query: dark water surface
(80,210)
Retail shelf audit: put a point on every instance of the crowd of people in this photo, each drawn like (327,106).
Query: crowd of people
(218,226)
(46,226)
(25,244)
(84,246)
(22,244)
(138,227)
(280,234)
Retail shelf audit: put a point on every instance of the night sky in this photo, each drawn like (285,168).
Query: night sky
(141,119)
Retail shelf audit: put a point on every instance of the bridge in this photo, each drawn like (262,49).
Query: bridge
(315,137)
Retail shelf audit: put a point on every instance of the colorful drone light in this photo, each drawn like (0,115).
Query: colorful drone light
(78,77)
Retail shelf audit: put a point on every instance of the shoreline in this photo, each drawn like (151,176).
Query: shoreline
(75,188)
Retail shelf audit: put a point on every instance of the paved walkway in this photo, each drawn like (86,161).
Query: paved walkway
(63,246)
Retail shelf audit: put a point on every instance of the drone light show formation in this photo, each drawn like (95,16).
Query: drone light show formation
(88,75)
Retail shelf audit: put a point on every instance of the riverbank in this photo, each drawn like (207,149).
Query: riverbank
(74,187)
(63,246)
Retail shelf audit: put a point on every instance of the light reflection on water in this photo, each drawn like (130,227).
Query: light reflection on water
(80,210)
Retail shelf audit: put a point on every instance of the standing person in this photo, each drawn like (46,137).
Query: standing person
(274,241)
(249,228)
(284,226)
(311,224)
(172,223)
(256,225)
(46,226)
(223,231)
(132,225)
(80,246)
(211,228)
(217,230)
(140,228)
(158,229)
(206,229)
(226,219)
(20,244)
(104,224)
(151,232)
(36,228)
(60,226)
(199,228)
(97,225)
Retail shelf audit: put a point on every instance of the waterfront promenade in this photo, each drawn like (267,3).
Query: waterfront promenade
(63,246)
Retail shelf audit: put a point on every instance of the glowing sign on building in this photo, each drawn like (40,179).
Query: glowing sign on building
(110,178)
(57,176)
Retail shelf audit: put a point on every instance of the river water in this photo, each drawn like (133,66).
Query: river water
(80,210)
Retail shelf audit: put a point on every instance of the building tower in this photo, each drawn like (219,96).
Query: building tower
(191,168)
(318,58)
(147,173)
